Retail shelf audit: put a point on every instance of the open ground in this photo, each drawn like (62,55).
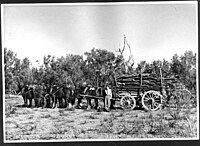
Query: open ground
(22,123)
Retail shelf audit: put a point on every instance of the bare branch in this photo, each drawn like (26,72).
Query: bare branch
(130,61)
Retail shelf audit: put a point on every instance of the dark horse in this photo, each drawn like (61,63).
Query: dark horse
(28,95)
(62,93)
(49,97)
(39,94)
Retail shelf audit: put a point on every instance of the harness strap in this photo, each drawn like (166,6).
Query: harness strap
(33,92)
(85,90)
(57,90)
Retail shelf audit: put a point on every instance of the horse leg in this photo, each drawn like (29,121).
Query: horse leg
(62,102)
(112,104)
(73,101)
(96,103)
(59,102)
(48,103)
(44,102)
(70,103)
(54,101)
(51,99)
(36,102)
(40,102)
(79,101)
(25,100)
(89,103)
(30,102)
(66,102)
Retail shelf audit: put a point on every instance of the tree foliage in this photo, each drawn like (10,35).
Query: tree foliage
(99,66)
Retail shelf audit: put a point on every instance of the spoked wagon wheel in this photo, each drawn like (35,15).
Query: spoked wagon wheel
(152,100)
(183,97)
(128,102)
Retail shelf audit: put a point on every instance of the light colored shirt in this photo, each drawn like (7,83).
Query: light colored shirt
(109,92)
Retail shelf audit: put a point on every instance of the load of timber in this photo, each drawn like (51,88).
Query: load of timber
(144,81)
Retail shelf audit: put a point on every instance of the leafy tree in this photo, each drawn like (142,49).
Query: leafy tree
(142,67)
(185,68)
(25,73)
(9,61)
(38,75)
(166,69)
(99,66)
(99,60)
(50,75)
(71,69)
(188,62)
(176,65)
(17,73)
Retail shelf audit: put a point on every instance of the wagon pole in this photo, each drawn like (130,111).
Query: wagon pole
(161,81)
(140,82)
(141,71)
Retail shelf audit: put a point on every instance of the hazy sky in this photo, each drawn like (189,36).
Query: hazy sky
(154,31)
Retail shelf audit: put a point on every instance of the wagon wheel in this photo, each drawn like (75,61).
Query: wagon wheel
(128,102)
(189,98)
(183,97)
(151,100)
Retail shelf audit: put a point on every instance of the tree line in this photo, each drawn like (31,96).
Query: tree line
(99,66)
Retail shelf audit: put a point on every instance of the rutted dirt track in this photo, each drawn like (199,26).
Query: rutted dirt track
(23,123)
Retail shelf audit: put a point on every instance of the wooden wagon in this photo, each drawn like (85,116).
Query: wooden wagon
(141,90)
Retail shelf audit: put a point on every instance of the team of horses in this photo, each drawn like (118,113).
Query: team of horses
(58,96)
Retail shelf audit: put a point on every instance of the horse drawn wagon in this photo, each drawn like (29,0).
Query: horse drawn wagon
(141,90)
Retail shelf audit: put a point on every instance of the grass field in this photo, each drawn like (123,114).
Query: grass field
(22,123)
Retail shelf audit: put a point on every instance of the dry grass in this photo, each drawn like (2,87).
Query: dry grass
(44,124)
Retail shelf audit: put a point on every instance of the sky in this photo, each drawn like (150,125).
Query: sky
(153,30)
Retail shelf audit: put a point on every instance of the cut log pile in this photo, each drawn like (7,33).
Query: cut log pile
(145,82)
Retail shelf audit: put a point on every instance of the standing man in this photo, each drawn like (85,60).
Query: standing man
(108,97)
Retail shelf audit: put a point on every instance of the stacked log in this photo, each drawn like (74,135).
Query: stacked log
(145,82)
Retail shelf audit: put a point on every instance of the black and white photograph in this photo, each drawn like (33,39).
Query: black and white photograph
(115,71)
